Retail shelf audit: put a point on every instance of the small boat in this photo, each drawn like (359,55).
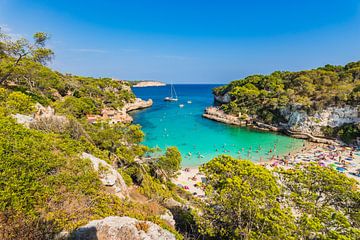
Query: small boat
(173,97)
(189,102)
(181,105)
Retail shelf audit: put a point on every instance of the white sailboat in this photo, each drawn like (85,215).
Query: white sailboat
(173,97)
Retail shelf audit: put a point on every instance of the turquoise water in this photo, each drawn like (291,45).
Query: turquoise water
(199,139)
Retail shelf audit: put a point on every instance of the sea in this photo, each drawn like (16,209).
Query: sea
(199,139)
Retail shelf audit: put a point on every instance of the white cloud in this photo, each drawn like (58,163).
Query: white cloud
(7,30)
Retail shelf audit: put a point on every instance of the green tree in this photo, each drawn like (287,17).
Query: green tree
(170,161)
(20,49)
(242,202)
(327,202)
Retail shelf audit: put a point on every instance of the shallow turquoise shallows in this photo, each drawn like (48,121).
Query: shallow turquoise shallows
(199,139)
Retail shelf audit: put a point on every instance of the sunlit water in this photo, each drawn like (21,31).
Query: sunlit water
(199,139)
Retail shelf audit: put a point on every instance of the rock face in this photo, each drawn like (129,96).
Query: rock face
(168,217)
(121,228)
(23,119)
(138,104)
(222,98)
(43,119)
(300,121)
(108,175)
(149,84)
(299,124)
(120,115)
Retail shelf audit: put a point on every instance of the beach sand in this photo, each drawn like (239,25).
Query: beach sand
(336,157)
(188,177)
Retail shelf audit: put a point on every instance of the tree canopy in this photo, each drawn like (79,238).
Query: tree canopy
(247,201)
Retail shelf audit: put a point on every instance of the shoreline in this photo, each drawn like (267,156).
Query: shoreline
(343,159)
(215,114)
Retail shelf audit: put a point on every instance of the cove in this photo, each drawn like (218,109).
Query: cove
(198,139)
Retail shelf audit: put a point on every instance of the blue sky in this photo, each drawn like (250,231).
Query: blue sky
(189,41)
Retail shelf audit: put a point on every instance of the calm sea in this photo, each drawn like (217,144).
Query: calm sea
(199,139)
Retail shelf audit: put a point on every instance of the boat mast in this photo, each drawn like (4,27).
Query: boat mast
(171,90)
(174,92)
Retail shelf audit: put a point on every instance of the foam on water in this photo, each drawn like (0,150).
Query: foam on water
(198,139)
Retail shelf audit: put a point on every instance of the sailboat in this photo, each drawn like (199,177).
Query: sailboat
(173,97)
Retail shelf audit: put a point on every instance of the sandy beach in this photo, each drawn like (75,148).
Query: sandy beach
(190,179)
(345,160)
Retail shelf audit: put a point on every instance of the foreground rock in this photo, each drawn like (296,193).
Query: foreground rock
(149,84)
(108,176)
(121,228)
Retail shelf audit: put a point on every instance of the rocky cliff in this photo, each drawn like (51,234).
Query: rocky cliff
(299,124)
(218,115)
(300,121)
(138,104)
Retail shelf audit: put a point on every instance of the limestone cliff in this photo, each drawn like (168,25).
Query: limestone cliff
(332,116)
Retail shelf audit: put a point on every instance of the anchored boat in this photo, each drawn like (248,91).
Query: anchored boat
(173,97)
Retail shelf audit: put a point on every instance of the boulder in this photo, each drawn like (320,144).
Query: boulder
(168,217)
(121,228)
(109,176)
(23,119)
(222,98)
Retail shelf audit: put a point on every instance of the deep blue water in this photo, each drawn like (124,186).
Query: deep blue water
(199,139)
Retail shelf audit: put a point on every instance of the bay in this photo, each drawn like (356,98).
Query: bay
(198,139)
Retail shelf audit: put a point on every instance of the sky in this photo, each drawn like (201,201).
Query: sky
(189,41)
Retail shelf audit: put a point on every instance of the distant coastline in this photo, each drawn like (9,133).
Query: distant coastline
(149,84)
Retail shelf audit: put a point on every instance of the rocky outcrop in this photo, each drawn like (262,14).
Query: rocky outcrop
(23,119)
(299,124)
(222,98)
(108,176)
(43,119)
(300,121)
(138,104)
(121,228)
(120,115)
(218,115)
(168,217)
(149,84)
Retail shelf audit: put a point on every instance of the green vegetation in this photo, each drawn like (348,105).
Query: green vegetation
(246,201)
(264,97)
(46,187)
(346,132)
(242,202)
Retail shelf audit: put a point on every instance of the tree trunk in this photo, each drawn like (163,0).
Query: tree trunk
(8,74)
